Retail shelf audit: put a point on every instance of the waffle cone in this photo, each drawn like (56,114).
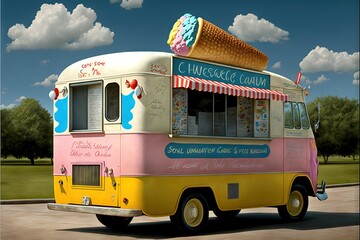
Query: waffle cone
(216,45)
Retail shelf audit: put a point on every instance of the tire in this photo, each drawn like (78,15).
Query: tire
(297,205)
(225,215)
(113,222)
(192,214)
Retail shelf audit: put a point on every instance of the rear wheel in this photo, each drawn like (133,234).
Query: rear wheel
(114,222)
(192,214)
(297,205)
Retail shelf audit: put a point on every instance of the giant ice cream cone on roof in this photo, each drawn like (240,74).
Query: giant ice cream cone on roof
(197,38)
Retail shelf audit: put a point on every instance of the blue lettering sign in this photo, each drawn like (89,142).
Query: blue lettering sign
(185,67)
(189,150)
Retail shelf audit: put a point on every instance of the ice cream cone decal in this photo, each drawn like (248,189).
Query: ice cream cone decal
(197,38)
(135,86)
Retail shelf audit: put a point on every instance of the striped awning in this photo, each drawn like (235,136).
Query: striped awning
(200,84)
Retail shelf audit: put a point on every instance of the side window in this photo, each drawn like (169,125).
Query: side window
(200,113)
(289,123)
(86,106)
(112,102)
(305,123)
(219,114)
(296,114)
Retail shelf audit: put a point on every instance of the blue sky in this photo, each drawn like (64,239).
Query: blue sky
(40,38)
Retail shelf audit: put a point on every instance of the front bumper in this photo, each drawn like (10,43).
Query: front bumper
(111,211)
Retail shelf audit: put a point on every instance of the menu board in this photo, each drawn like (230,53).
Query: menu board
(94,107)
(261,124)
(179,117)
(245,117)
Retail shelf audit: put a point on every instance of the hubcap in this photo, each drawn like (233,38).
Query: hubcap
(296,203)
(193,212)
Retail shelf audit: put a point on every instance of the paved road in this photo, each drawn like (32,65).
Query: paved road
(335,218)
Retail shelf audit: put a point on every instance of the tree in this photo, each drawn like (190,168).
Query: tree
(339,126)
(8,138)
(26,131)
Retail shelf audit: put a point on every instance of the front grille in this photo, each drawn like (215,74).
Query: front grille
(86,175)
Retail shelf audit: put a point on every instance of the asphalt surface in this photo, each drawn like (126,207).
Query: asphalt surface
(335,218)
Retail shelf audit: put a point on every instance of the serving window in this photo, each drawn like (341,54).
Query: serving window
(86,106)
(200,113)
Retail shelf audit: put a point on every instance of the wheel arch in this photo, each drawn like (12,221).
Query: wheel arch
(207,192)
(303,181)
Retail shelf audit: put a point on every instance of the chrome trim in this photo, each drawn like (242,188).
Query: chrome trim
(110,211)
(321,194)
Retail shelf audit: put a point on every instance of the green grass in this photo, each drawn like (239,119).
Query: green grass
(339,170)
(20,180)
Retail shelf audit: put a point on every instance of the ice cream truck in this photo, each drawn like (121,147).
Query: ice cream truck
(155,134)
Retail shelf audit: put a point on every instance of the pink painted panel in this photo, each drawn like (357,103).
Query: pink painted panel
(145,155)
(300,155)
(150,154)
(314,163)
(86,148)
(295,154)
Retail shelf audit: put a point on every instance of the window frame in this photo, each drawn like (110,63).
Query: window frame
(305,114)
(299,116)
(296,115)
(289,114)
(106,103)
(71,106)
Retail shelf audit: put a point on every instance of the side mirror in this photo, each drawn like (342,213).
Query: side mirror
(317,124)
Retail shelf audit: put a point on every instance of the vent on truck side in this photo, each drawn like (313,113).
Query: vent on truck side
(86,175)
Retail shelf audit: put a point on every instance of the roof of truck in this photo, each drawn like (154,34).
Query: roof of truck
(138,62)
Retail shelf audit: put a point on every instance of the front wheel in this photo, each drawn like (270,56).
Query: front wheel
(113,222)
(297,205)
(192,214)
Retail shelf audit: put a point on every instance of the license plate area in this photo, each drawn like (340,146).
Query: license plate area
(86,201)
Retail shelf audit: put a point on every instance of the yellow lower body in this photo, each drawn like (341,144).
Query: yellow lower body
(160,195)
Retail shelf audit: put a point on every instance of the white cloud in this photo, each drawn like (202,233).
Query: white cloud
(129,4)
(356,78)
(322,59)
(12,105)
(277,65)
(44,61)
(305,80)
(56,28)
(49,81)
(20,99)
(250,29)
(320,80)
